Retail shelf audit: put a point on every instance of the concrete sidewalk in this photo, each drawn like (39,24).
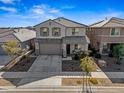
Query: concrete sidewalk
(61,74)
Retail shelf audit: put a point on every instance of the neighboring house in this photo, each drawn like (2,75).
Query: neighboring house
(104,35)
(6,35)
(60,37)
(24,37)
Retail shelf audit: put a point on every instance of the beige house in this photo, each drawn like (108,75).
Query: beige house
(23,36)
(107,33)
(60,37)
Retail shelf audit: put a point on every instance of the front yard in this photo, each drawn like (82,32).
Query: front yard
(80,81)
(111,65)
(9,81)
(71,66)
(22,66)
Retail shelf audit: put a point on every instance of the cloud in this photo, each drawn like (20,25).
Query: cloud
(38,10)
(29,17)
(54,11)
(44,8)
(9,9)
(46,11)
(9,1)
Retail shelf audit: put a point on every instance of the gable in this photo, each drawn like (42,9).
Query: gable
(115,23)
(49,23)
(69,23)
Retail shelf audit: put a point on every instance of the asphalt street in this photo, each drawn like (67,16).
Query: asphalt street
(101,90)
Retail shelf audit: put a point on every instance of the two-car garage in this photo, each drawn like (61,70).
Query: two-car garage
(48,47)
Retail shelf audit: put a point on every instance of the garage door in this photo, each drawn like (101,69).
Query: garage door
(47,49)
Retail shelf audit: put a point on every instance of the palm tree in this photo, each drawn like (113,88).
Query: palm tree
(87,64)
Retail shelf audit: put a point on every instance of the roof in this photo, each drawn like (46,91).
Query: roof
(76,39)
(6,35)
(7,38)
(111,22)
(48,21)
(68,23)
(5,30)
(65,22)
(24,34)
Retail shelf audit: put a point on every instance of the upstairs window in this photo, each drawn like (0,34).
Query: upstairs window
(44,31)
(75,31)
(56,31)
(115,31)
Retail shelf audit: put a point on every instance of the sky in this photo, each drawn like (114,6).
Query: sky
(17,13)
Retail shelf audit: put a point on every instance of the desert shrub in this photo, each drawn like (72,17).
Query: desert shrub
(98,55)
(83,55)
(93,81)
(79,82)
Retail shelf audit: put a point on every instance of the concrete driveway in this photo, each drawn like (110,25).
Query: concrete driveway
(46,64)
(47,67)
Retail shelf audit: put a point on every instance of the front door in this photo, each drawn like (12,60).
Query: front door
(68,49)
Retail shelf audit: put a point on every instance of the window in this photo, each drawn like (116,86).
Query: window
(44,31)
(115,31)
(56,31)
(75,31)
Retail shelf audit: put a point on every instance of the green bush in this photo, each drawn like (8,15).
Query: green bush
(82,55)
(93,81)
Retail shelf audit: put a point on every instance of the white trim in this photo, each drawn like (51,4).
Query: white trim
(110,36)
(112,42)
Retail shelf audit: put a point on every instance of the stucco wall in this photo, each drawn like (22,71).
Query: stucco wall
(50,24)
(102,35)
(81,32)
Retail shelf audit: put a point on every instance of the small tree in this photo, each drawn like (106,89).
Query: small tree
(87,65)
(12,48)
(118,52)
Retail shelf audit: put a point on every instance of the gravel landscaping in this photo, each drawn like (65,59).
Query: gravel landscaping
(71,65)
(111,65)
(23,65)
(79,82)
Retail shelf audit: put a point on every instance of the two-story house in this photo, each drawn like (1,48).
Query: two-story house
(104,35)
(60,37)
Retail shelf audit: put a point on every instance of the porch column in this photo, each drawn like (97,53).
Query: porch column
(101,48)
(64,50)
(86,47)
(37,48)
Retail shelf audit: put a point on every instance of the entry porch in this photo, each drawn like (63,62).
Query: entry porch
(74,44)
